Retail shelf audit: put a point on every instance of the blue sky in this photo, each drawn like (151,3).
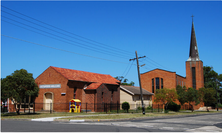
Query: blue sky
(159,30)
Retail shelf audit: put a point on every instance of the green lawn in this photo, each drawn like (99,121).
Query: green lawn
(99,115)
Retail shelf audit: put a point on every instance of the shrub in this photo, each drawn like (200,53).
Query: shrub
(125,106)
(149,107)
(139,108)
(219,105)
(166,111)
(173,107)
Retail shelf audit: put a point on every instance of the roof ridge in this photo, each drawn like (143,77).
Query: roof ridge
(79,70)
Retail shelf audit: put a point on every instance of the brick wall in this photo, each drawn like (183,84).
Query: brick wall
(199,73)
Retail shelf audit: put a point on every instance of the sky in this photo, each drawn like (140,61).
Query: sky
(101,36)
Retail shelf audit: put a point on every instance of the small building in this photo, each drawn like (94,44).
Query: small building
(57,86)
(131,94)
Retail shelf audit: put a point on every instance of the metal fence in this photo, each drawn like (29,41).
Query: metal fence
(85,108)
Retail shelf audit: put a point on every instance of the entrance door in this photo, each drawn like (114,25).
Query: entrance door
(48,100)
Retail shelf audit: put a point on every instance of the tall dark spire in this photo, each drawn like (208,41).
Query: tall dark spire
(194,54)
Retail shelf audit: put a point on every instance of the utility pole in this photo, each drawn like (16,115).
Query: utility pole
(138,69)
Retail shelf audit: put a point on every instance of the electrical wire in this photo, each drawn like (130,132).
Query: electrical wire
(101,45)
(76,43)
(60,49)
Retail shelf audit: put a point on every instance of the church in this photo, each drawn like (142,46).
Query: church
(159,78)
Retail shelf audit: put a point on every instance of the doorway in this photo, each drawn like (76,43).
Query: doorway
(48,100)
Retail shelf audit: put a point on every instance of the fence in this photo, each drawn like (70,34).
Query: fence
(24,107)
(86,107)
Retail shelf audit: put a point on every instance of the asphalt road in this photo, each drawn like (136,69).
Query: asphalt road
(197,123)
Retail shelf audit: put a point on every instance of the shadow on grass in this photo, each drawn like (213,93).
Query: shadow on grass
(21,114)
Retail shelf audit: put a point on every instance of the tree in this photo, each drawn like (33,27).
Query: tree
(18,85)
(4,90)
(182,94)
(121,78)
(213,80)
(193,97)
(125,106)
(210,77)
(165,96)
(208,96)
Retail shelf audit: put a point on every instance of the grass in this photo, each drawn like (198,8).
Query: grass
(137,115)
(101,115)
(38,115)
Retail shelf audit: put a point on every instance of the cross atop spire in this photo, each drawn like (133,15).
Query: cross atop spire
(194,54)
(192,17)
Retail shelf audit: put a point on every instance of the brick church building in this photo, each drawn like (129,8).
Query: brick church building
(158,78)
(59,85)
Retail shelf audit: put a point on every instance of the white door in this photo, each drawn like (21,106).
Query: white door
(48,100)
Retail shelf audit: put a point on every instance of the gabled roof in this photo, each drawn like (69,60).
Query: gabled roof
(158,69)
(93,86)
(83,76)
(133,90)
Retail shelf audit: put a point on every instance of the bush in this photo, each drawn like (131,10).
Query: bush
(149,107)
(125,106)
(166,111)
(139,108)
(173,107)
(219,105)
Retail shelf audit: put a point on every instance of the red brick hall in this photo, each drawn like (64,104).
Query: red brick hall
(158,78)
(59,85)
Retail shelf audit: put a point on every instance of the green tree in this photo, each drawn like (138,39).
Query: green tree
(18,85)
(4,90)
(208,96)
(193,96)
(213,80)
(165,96)
(182,94)
(121,78)
(210,77)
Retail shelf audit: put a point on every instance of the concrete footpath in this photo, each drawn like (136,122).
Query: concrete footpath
(81,117)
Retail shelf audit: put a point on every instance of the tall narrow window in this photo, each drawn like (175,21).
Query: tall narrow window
(112,95)
(74,96)
(157,83)
(194,77)
(102,96)
(161,83)
(152,85)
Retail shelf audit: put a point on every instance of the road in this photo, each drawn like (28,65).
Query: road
(197,123)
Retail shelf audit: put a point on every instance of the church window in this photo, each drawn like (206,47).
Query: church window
(152,85)
(194,77)
(161,83)
(157,83)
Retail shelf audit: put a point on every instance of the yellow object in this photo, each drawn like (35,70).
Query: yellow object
(74,106)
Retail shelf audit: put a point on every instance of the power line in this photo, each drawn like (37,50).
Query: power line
(128,70)
(61,49)
(76,43)
(101,44)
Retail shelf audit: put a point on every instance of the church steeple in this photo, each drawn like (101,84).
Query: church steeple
(194,54)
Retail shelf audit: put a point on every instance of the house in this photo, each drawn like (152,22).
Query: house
(57,86)
(131,94)
(158,78)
